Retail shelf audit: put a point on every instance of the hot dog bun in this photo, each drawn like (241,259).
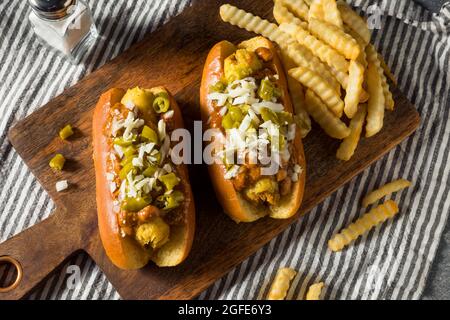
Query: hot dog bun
(125,252)
(233,203)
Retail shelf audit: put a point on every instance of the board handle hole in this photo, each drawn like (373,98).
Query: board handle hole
(10,274)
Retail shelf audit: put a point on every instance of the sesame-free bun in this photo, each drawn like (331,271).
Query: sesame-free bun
(125,252)
(233,203)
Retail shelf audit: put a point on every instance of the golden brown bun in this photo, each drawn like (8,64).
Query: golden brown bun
(233,203)
(126,253)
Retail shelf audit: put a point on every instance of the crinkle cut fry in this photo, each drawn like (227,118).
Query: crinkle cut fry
(315,82)
(331,124)
(299,54)
(281,283)
(336,38)
(315,291)
(385,190)
(364,224)
(373,57)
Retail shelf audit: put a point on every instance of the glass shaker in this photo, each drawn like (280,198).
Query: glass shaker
(64,25)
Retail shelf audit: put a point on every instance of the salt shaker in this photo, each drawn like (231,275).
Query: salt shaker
(64,25)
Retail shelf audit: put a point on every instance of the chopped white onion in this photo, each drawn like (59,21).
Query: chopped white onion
(62,185)
(275,107)
(233,172)
(168,168)
(223,111)
(162,129)
(291,132)
(119,151)
(220,98)
(138,162)
(129,105)
(112,187)
(169,114)
(298,169)
(245,124)
(247,99)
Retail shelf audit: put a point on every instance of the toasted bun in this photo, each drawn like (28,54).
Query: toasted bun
(126,253)
(233,203)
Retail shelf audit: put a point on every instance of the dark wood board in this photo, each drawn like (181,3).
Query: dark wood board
(173,57)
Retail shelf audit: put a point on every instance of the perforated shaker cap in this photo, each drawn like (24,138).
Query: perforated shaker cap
(51,9)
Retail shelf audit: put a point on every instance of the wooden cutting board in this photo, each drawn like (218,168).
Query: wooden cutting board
(173,57)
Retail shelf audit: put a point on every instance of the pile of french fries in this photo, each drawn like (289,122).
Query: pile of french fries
(336,76)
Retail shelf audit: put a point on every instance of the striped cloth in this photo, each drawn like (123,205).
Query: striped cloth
(391,262)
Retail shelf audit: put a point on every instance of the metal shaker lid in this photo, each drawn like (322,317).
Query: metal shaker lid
(51,9)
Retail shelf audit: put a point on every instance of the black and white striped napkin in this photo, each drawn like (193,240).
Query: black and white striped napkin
(391,262)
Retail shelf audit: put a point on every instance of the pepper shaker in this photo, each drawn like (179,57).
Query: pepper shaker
(64,25)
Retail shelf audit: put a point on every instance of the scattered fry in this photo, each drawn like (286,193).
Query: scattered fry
(315,291)
(349,144)
(354,88)
(331,124)
(281,283)
(369,220)
(375,108)
(385,190)
(316,83)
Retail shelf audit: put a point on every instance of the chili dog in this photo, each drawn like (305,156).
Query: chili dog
(244,91)
(144,202)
